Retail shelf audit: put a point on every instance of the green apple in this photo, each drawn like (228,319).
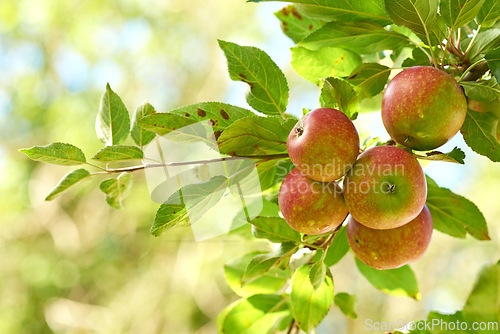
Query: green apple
(386,188)
(423,107)
(310,206)
(323,144)
(392,248)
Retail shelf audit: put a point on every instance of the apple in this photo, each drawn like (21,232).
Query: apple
(392,248)
(423,107)
(385,188)
(323,144)
(310,206)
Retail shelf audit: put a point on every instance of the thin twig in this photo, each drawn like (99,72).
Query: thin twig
(188,163)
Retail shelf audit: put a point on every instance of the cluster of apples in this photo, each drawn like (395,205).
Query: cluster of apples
(384,188)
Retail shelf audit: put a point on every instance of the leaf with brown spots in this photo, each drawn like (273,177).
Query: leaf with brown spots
(268,86)
(341,10)
(221,115)
(294,27)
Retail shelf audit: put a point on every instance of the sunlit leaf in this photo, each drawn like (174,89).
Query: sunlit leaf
(314,65)
(67,181)
(268,86)
(453,214)
(294,25)
(347,304)
(478,132)
(117,189)
(113,122)
(56,153)
(119,153)
(140,136)
(255,315)
(310,306)
(361,37)
(342,10)
(339,94)
(397,282)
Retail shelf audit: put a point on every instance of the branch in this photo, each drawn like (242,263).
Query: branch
(188,163)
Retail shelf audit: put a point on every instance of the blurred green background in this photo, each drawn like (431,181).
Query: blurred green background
(74,265)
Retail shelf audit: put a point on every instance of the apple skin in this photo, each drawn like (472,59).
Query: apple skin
(393,248)
(323,144)
(309,206)
(386,188)
(423,107)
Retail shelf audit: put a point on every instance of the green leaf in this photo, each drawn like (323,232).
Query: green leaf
(267,173)
(493,59)
(169,216)
(456,156)
(164,123)
(117,189)
(113,122)
(322,63)
(485,41)
(482,90)
(447,321)
(275,229)
(268,86)
(478,132)
(418,58)
(257,314)
(67,181)
(483,303)
(295,25)
(255,135)
(262,263)
(119,153)
(397,282)
(347,304)
(342,10)
(219,115)
(140,136)
(369,79)
(272,281)
(56,153)
(317,274)
(310,306)
(458,13)
(195,200)
(338,248)
(362,37)
(453,214)
(489,13)
(339,94)
(418,15)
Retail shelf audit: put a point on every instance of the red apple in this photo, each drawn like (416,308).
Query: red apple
(392,248)
(386,188)
(423,107)
(309,206)
(323,144)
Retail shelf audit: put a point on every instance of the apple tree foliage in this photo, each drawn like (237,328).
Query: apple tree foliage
(349,50)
